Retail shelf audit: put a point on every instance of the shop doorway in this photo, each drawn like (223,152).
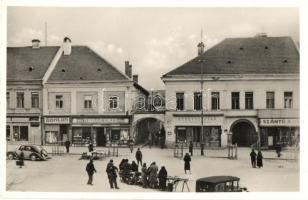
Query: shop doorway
(243,133)
(100,137)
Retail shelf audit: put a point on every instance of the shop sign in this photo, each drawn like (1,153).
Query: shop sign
(100,121)
(57,120)
(279,122)
(193,120)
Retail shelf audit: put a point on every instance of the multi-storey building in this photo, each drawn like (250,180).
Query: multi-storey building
(242,90)
(86,99)
(26,67)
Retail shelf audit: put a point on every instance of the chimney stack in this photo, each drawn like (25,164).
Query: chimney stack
(135,78)
(36,44)
(67,46)
(128,69)
(200,48)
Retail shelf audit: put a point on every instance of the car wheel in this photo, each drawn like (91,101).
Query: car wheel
(33,157)
(10,156)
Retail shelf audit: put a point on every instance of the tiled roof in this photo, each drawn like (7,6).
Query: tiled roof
(83,64)
(258,55)
(26,63)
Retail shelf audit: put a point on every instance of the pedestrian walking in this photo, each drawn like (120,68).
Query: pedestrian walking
(191,147)
(187,160)
(153,169)
(162,137)
(131,145)
(21,159)
(139,157)
(67,146)
(253,158)
(90,147)
(278,149)
(259,159)
(112,171)
(202,148)
(162,178)
(144,175)
(90,170)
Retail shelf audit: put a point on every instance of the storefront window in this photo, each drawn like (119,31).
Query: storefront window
(20,100)
(51,137)
(20,133)
(82,136)
(35,100)
(181,134)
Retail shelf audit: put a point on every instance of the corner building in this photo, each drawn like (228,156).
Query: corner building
(250,94)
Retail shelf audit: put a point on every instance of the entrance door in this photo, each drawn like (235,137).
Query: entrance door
(100,137)
(243,133)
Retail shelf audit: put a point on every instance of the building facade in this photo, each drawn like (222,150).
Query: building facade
(243,90)
(26,67)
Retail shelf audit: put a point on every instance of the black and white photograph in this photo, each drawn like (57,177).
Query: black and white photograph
(151,100)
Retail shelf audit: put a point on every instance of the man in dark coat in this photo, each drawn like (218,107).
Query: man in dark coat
(134,166)
(202,148)
(162,137)
(126,170)
(191,147)
(90,170)
(112,174)
(21,159)
(162,178)
(67,146)
(187,160)
(139,157)
(259,159)
(253,158)
(90,147)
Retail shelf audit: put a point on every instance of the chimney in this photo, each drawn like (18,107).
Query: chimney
(200,48)
(128,69)
(67,46)
(36,44)
(135,78)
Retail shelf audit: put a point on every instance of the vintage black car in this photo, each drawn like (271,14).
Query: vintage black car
(219,184)
(31,152)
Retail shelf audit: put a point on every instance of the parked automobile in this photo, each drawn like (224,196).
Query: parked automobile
(31,152)
(219,184)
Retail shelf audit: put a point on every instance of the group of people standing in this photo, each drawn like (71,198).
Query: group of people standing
(256,159)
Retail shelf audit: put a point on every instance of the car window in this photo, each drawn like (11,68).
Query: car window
(22,148)
(28,148)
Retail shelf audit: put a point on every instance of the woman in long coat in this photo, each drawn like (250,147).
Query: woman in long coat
(259,159)
(187,160)
(144,175)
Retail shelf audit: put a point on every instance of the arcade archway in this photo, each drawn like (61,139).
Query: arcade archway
(144,127)
(243,133)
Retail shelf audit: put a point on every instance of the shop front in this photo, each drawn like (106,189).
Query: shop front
(56,129)
(23,130)
(188,128)
(100,130)
(279,131)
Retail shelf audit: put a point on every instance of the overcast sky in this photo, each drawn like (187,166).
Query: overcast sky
(154,40)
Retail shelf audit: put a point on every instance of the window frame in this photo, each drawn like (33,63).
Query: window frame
(182,101)
(198,97)
(246,101)
(238,102)
(117,102)
(217,100)
(8,99)
(88,103)
(38,100)
(268,99)
(59,101)
(22,100)
(289,98)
